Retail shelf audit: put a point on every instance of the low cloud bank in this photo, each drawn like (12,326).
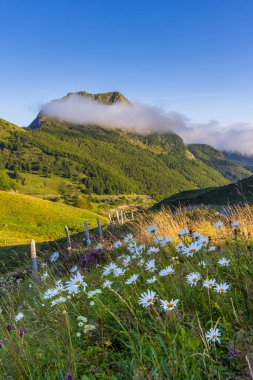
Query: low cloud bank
(76,109)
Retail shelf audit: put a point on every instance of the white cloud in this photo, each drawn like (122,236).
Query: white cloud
(76,109)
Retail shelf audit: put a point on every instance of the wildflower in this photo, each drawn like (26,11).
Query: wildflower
(9,328)
(191,249)
(78,334)
(152,250)
(151,280)
(21,331)
(213,335)
(163,241)
(218,225)
(69,376)
(212,248)
(43,265)
(50,293)
(93,293)
(119,272)
(117,244)
(88,328)
(147,299)
(44,275)
(99,246)
(150,265)
(92,303)
(19,316)
(58,301)
(54,257)
(107,284)
(126,260)
(224,262)
(107,343)
(128,238)
(109,269)
(202,264)
(80,324)
(193,278)
(235,224)
(141,262)
(209,283)
(233,353)
(184,232)
(73,285)
(221,288)
(74,269)
(152,230)
(132,280)
(168,270)
(169,305)
(81,318)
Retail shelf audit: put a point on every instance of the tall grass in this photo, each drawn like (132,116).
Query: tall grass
(127,340)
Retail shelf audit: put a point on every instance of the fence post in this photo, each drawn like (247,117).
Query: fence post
(100,232)
(34,260)
(87,234)
(117,215)
(68,238)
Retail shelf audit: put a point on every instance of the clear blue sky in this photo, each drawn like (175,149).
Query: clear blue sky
(192,56)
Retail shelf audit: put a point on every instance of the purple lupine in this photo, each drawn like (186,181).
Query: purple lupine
(233,353)
(91,258)
(9,328)
(21,331)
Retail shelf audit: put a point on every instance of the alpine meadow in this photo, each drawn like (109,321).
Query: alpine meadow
(126,190)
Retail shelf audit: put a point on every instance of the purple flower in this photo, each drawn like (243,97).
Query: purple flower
(91,258)
(233,353)
(9,328)
(21,331)
(69,376)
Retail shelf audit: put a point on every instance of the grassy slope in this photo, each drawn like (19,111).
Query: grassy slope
(240,192)
(229,168)
(24,218)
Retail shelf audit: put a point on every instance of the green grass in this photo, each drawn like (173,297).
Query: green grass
(24,218)
(130,341)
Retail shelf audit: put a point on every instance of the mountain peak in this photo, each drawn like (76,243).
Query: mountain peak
(105,97)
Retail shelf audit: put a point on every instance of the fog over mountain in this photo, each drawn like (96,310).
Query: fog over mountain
(234,136)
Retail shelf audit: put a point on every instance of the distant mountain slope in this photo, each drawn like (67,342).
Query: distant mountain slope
(230,168)
(24,218)
(239,192)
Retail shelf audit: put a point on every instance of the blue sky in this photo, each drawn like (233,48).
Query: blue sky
(191,56)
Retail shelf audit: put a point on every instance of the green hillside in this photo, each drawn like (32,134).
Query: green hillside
(235,193)
(24,218)
(230,168)
(103,161)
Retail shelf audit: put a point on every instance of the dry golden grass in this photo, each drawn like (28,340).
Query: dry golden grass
(200,219)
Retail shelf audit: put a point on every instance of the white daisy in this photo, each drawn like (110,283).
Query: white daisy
(126,260)
(221,288)
(19,316)
(109,269)
(184,232)
(147,299)
(44,275)
(151,280)
(54,257)
(81,318)
(128,238)
(107,284)
(235,224)
(168,270)
(74,269)
(132,280)
(117,244)
(218,225)
(209,283)
(169,305)
(191,248)
(202,264)
(152,230)
(212,248)
(193,278)
(152,250)
(213,335)
(73,285)
(150,265)
(224,262)
(119,272)
(88,328)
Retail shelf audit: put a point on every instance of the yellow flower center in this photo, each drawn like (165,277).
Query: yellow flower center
(214,336)
(222,290)
(192,250)
(78,282)
(194,280)
(111,270)
(170,304)
(149,300)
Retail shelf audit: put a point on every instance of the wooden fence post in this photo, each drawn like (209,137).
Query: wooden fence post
(100,232)
(68,238)
(117,215)
(87,234)
(34,260)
